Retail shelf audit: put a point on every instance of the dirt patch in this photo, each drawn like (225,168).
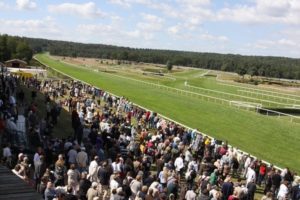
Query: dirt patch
(280,88)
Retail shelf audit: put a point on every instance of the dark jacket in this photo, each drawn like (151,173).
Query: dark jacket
(227,190)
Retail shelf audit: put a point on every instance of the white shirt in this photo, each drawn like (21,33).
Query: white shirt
(116,167)
(283,191)
(6,152)
(190,195)
(188,156)
(250,175)
(113,184)
(247,162)
(178,164)
(194,164)
(93,171)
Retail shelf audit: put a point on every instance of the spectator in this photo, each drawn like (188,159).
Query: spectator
(73,178)
(50,192)
(92,192)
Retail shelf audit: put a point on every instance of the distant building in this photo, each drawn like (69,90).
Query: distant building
(20,68)
(16,63)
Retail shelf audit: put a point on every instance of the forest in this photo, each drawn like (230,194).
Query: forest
(277,67)
(14,47)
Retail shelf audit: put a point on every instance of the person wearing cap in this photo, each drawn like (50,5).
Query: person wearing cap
(92,192)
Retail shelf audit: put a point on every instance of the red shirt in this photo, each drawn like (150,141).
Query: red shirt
(262,169)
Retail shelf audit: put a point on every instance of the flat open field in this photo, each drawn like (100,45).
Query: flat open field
(270,138)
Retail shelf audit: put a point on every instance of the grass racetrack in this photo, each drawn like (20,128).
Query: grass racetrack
(271,139)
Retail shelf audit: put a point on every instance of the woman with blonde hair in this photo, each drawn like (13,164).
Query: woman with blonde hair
(163,176)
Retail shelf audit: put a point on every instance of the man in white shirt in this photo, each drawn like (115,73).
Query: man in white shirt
(283,191)
(179,165)
(251,175)
(93,169)
(190,195)
(246,165)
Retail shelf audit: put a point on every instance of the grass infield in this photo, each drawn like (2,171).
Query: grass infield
(271,139)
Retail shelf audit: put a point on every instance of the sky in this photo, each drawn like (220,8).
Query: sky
(248,27)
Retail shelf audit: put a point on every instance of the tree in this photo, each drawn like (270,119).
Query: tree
(169,65)
(241,71)
(252,71)
(23,51)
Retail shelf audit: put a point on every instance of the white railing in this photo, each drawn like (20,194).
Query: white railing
(239,96)
(238,85)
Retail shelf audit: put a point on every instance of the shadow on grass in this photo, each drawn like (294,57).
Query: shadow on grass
(63,128)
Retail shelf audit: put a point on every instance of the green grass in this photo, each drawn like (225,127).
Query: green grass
(271,139)
(63,128)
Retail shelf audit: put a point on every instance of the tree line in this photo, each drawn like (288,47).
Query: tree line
(278,67)
(14,47)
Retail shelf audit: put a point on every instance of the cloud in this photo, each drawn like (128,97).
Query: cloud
(26,5)
(108,34)
(174,30)
(262,12)
(128,3)
(86,10)
(31,28)
(193,3)
(150,23)
(207,36)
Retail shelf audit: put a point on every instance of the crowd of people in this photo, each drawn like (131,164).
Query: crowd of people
(119,151)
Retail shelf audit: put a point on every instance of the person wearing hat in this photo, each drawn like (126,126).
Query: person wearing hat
(93,191)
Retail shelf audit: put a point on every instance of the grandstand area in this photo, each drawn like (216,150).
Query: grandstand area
(194,97)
